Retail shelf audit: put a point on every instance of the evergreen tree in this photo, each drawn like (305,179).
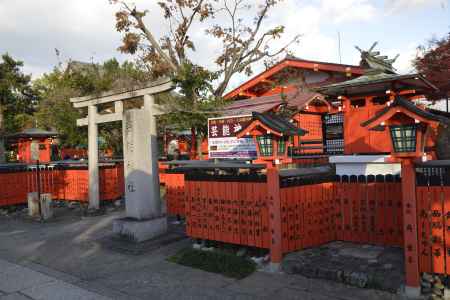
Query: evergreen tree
(17,99)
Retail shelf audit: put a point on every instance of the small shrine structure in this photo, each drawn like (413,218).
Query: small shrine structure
(273,135)
(285,88)
(366,151)
(34,144)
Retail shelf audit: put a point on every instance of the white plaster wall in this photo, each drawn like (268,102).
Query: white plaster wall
(364,165)
(367,169)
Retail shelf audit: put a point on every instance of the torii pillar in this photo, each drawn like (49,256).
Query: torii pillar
(144,219)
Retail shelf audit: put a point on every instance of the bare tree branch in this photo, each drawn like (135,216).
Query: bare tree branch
(244,44)
(138,16)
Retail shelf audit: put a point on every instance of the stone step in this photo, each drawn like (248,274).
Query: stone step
(346,263)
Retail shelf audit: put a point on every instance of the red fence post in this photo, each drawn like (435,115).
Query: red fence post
(410,226)
(273,190)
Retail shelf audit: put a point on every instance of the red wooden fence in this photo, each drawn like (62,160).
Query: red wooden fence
(433,213)
(72,183)
(65,184)
(174,184)
(13,188)
(313,212)
(231,211)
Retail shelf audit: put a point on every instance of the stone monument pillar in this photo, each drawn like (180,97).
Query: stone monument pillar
(144,219)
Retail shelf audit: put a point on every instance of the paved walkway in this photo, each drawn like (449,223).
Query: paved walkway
(18,282)
(66,259)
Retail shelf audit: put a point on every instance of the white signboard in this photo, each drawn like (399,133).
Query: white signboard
(222,140)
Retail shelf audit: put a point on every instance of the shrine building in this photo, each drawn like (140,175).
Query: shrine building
(328,103)
(34,144)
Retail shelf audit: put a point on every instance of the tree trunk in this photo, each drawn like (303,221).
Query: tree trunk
(193,153)
(2,150)
(2,141)
(199,146)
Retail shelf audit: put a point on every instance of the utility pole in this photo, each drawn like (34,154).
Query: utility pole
(339,47)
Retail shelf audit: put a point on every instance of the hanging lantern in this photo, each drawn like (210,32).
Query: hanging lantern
(265,144)
(404,138)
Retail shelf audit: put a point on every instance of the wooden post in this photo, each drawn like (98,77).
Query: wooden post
(410,225)
(273,190)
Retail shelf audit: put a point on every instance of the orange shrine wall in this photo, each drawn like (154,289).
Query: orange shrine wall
(24,150)
(359,139)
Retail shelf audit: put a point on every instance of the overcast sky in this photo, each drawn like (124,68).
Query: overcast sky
(30,30)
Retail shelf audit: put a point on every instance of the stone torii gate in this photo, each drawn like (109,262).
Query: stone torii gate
(144,218)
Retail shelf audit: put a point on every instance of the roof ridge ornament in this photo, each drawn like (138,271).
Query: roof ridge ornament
(373,62)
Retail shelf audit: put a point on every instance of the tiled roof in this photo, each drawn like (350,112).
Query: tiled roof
(410,106)
(372,78)
(267,103)
(34,132)
(278,124)
(295,58)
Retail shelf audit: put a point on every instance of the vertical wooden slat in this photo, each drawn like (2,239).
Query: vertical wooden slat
(347,208)
(265,215)
(293,223)
(355,213)
(187,205)
(331,212)
(307,216)
(423,231)
(380,210)
(446,216)
(437,228)
(258,216)
(250,226)
(284,220)
(210,211)
(390,212)
(363,205)
(371,201)
(298,217)
(338,209)
(399,205)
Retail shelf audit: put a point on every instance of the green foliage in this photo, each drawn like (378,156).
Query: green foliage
(17,99)
(224,263)
(193,103)
(243,39)
(435,65)
(56,88)
(55,110)
(194,81)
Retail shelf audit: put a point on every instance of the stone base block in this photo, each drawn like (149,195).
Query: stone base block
(33,204)
(446,294)
(140,230)
(412,292)
(46,206)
